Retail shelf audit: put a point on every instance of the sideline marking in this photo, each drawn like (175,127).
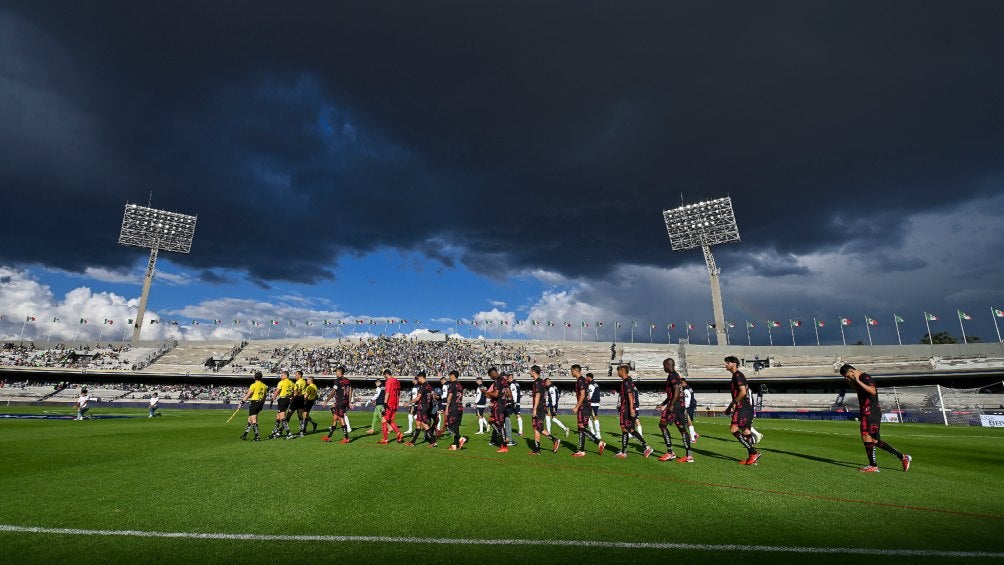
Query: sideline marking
(537,542)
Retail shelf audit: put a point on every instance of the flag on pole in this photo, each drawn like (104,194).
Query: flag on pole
(109,322)
(691,326)
(796,323)
(845,321)
(535,322)
(154,321)
(750,324)
(274,322)
(255,323)
(897,319)
(550,323)
(774,323)
(964,316)
(567,325)
(617,324)
(217,322)
(29,319)
(820,323)
(129,321)
(195,322)
(653,325)
(327,322)
(460,322)
(237,322)
(599,324)
(930,317)
(670,326)
(82,320)
(54,320)
(999,313)
(871,321)
(173,322)
(731,325)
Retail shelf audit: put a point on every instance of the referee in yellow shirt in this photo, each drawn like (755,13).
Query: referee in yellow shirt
(256,397)
(309,398)
(296,404)
(284,394)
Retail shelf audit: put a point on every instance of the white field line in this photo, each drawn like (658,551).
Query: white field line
(508,542)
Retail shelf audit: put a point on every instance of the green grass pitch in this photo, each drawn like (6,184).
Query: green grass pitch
(188,472)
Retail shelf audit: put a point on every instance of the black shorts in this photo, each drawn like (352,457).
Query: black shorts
(481,411)
(255,407)
(538,421)
(497,413)
(743,417)
(308,405)
(552,411)
(594,411)
(514,409)
(339,410)
(453,420)
(296,403)
(627,421)
(871,424)
(582,418)
(411,410)
(676,415)
(283,404)
(690,412)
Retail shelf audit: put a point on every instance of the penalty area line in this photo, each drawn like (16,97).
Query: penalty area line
(6,528)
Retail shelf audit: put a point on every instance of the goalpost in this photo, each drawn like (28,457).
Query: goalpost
(936,404)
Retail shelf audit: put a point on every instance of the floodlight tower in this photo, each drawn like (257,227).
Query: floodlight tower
(704,224)
(154,230)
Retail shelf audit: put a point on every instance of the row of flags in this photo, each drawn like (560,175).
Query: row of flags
(843,321)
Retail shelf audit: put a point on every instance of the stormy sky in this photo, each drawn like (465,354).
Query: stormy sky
(520,144)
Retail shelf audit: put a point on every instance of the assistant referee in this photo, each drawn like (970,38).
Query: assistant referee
(256,398)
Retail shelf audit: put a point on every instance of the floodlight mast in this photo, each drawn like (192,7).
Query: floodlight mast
(702,225)
(154,229)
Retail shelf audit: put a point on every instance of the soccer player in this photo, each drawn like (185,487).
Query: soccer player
(674,409)
(538,413)
(379,405)
(516,396)
(154,401)
(411,405)
(423,402)
(82,404)
(552,406)
(309,399)
(480,402)
(454,410)
(637,421)
(440,411)
(582,414)
(497,393)
(392,396)
(284,393)
(690,401)
(296,403)
(594,404)
(255,396)
(628,411)
(871,418)
(342,393)
(741,410)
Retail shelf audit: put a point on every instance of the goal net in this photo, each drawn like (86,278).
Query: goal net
(935,404)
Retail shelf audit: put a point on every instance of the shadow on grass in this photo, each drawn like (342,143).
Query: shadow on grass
(813,458)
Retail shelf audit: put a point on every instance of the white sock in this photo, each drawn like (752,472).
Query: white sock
(519,424)
(411,423)
(547,423)
(753,431)
(596,427)
(348,426)
(692,433)
(638,427)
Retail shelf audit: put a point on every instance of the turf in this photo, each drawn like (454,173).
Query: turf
(188,472)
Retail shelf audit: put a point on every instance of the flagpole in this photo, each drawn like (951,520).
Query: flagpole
(993,316)
(769,336)
(688,331)
(749,342)
(101,332)
(791,324)
(815,326)
(964,340)
(23,324)
(843,338)
(868,328)
(930,337)
(75,332)
(652,339)
(895,320)
(707,328)
(632,332)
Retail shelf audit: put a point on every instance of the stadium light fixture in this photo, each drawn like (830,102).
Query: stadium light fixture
(155,230)
(704,224)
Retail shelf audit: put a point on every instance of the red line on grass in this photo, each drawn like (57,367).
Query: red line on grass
(715,485)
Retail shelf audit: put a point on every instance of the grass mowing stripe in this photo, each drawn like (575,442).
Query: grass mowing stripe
(503,542)
(718,485)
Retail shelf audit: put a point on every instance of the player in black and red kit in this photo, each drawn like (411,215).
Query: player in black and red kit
(627,408)
(423,412)
(741,410)
(674,410)
(538,414)
(582,413)
(342,392)
(498,393)
(454,410)
(871,418)
(392,392)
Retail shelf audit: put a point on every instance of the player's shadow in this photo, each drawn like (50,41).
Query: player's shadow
(815,458)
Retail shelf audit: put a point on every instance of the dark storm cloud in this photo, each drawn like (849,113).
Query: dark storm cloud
(507,136)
